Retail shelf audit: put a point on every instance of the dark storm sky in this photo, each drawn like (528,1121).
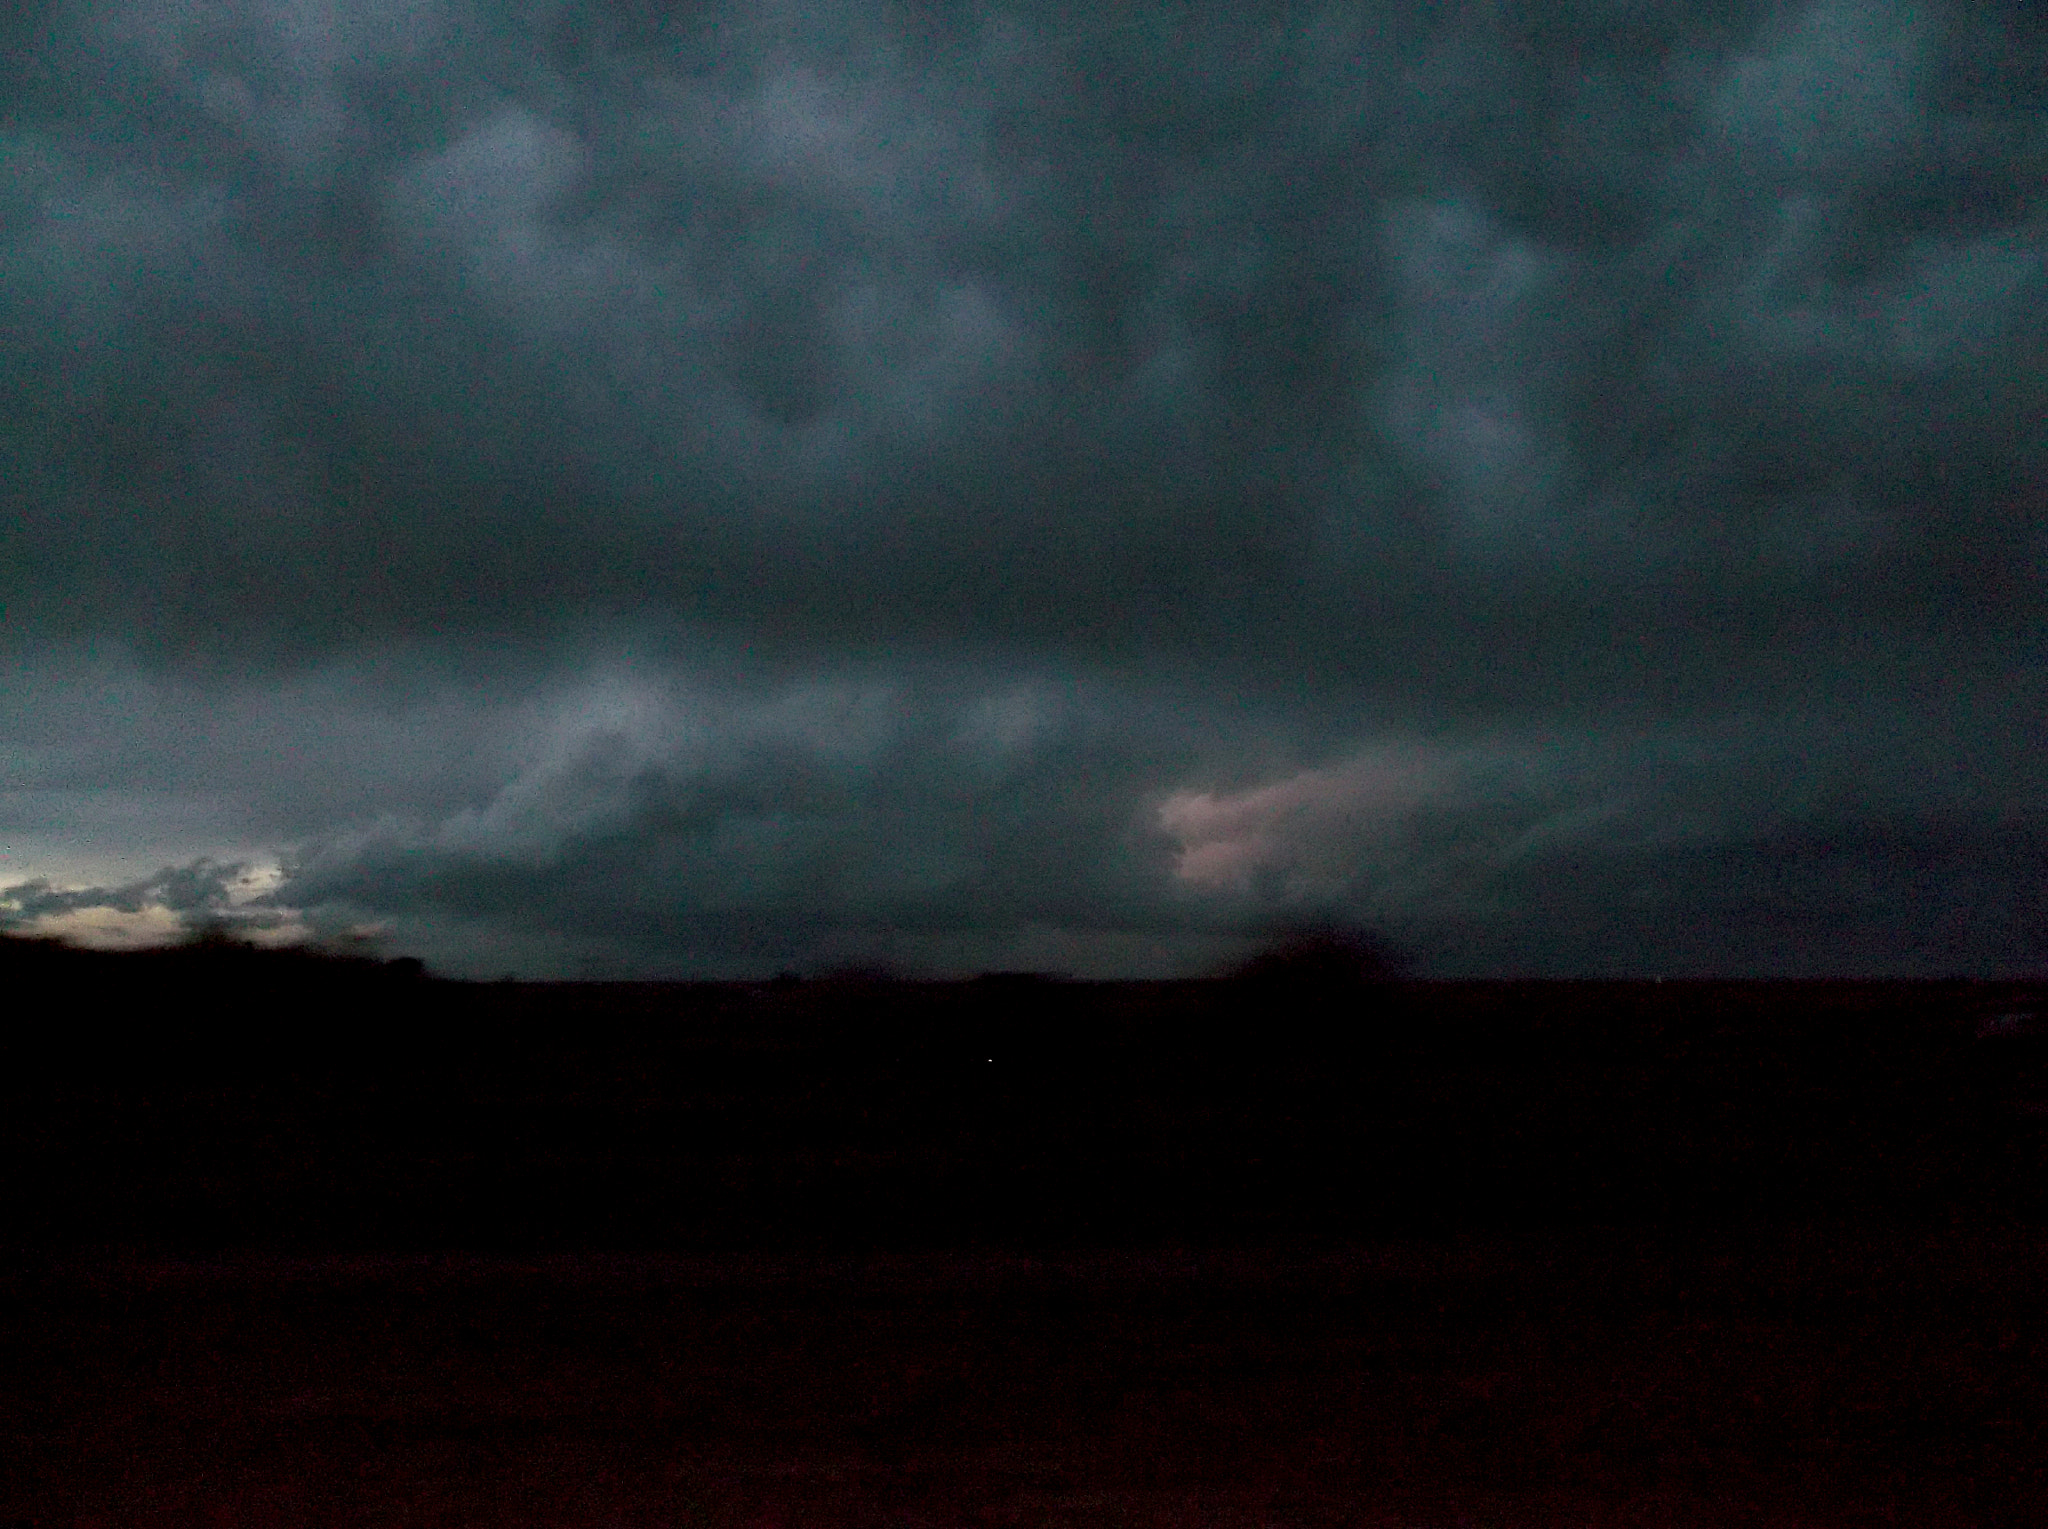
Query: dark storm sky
(635,488)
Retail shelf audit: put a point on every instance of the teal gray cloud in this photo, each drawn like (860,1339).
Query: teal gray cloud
(703,487)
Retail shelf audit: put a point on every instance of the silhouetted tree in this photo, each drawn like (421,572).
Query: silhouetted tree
(1320,959)
(215,934)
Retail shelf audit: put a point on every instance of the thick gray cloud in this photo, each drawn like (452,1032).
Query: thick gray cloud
(200,886)
(632,487)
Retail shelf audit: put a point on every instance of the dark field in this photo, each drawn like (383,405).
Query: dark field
(292,1242)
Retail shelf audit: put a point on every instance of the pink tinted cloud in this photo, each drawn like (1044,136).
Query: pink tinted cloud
(1228,837)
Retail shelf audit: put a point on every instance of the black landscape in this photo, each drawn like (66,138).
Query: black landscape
(303,1239)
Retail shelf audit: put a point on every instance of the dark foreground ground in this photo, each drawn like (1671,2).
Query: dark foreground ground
(1813,1378)
(371,1249)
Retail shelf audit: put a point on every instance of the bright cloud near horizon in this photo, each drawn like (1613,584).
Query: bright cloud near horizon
(615,489)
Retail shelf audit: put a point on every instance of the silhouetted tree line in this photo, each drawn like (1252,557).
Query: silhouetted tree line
(1312,1092)
(213,952)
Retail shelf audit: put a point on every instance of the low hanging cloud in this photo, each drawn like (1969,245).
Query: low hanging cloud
(174,904)
(598,485)
(202,886)
(817,824)
(1313,823)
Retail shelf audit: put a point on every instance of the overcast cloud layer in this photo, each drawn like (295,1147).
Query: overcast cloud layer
(699,489)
